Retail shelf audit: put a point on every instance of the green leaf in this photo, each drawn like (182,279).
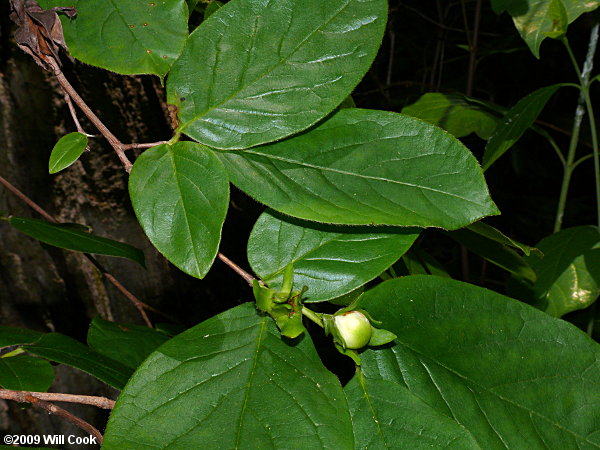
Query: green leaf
(128,37)
(69,238)
(386,415)
(496,235)
(364,167)
(65,350)
(67,150)
(453,113)
(231,382)
(330,261)
(494,252)
(256,72)
(16,336)
(569,272)
(127,344)
(538,19)
(180,194)
(483,360)
(26,373)
(419,262)
(516,121)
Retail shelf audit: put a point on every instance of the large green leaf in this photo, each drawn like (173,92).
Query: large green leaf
(513,376)
(516,121)
(569,272)
(231,382)
(68,237)
(128,37)
(180,194)
(258,71)
(67,150)
(364,167)
(16,336)
(65,350)
(26,373)
(453,113)
(127,344)
(331,261)
(387,415)
(538,19)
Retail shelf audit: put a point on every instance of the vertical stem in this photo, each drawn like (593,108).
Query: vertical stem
(583,103)
(473,49)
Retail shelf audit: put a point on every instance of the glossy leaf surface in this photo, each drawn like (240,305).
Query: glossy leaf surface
(482,359)
(65,350)
(454,114)
(331,261)
(258,71)
(26,373)
(569,272)
(516,121)
(67,150)
(387,415)
(231,382)
(363,167)
(16,336)
(71,238)
(180,195)
(127,344)
(128,37)
(538,19)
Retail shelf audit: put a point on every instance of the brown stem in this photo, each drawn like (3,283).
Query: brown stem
(20,396)
(116,144)
(27,200)
(142,145)
(57,411)
(245,275)
(74,115)
(136,302)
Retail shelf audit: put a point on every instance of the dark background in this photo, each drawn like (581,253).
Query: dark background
(424,50)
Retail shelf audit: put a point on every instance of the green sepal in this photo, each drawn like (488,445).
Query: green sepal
(263,296)
(350,353)
(380,337)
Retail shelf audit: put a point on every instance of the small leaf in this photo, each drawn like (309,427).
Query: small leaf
(494,234)
(67,150)
(387,415)
(537,19)
(256,72)
(516,121)
(365,167)
(26,373)
(454,114)
(180,194)
(380,337)
(231,382)
(330,261)
(569,272)
(128,37)
(494,252)
(419,262)
(65,350)
(127,344)
(16,336)
(482,360)
(69,238)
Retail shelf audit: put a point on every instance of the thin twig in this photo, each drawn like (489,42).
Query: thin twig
(241,272)
(115,143)
(20,396)
(26,397)
(473,49)
(137,303)
(142,145)
(74,116)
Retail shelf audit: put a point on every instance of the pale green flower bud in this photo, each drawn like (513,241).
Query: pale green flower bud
(353,328)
